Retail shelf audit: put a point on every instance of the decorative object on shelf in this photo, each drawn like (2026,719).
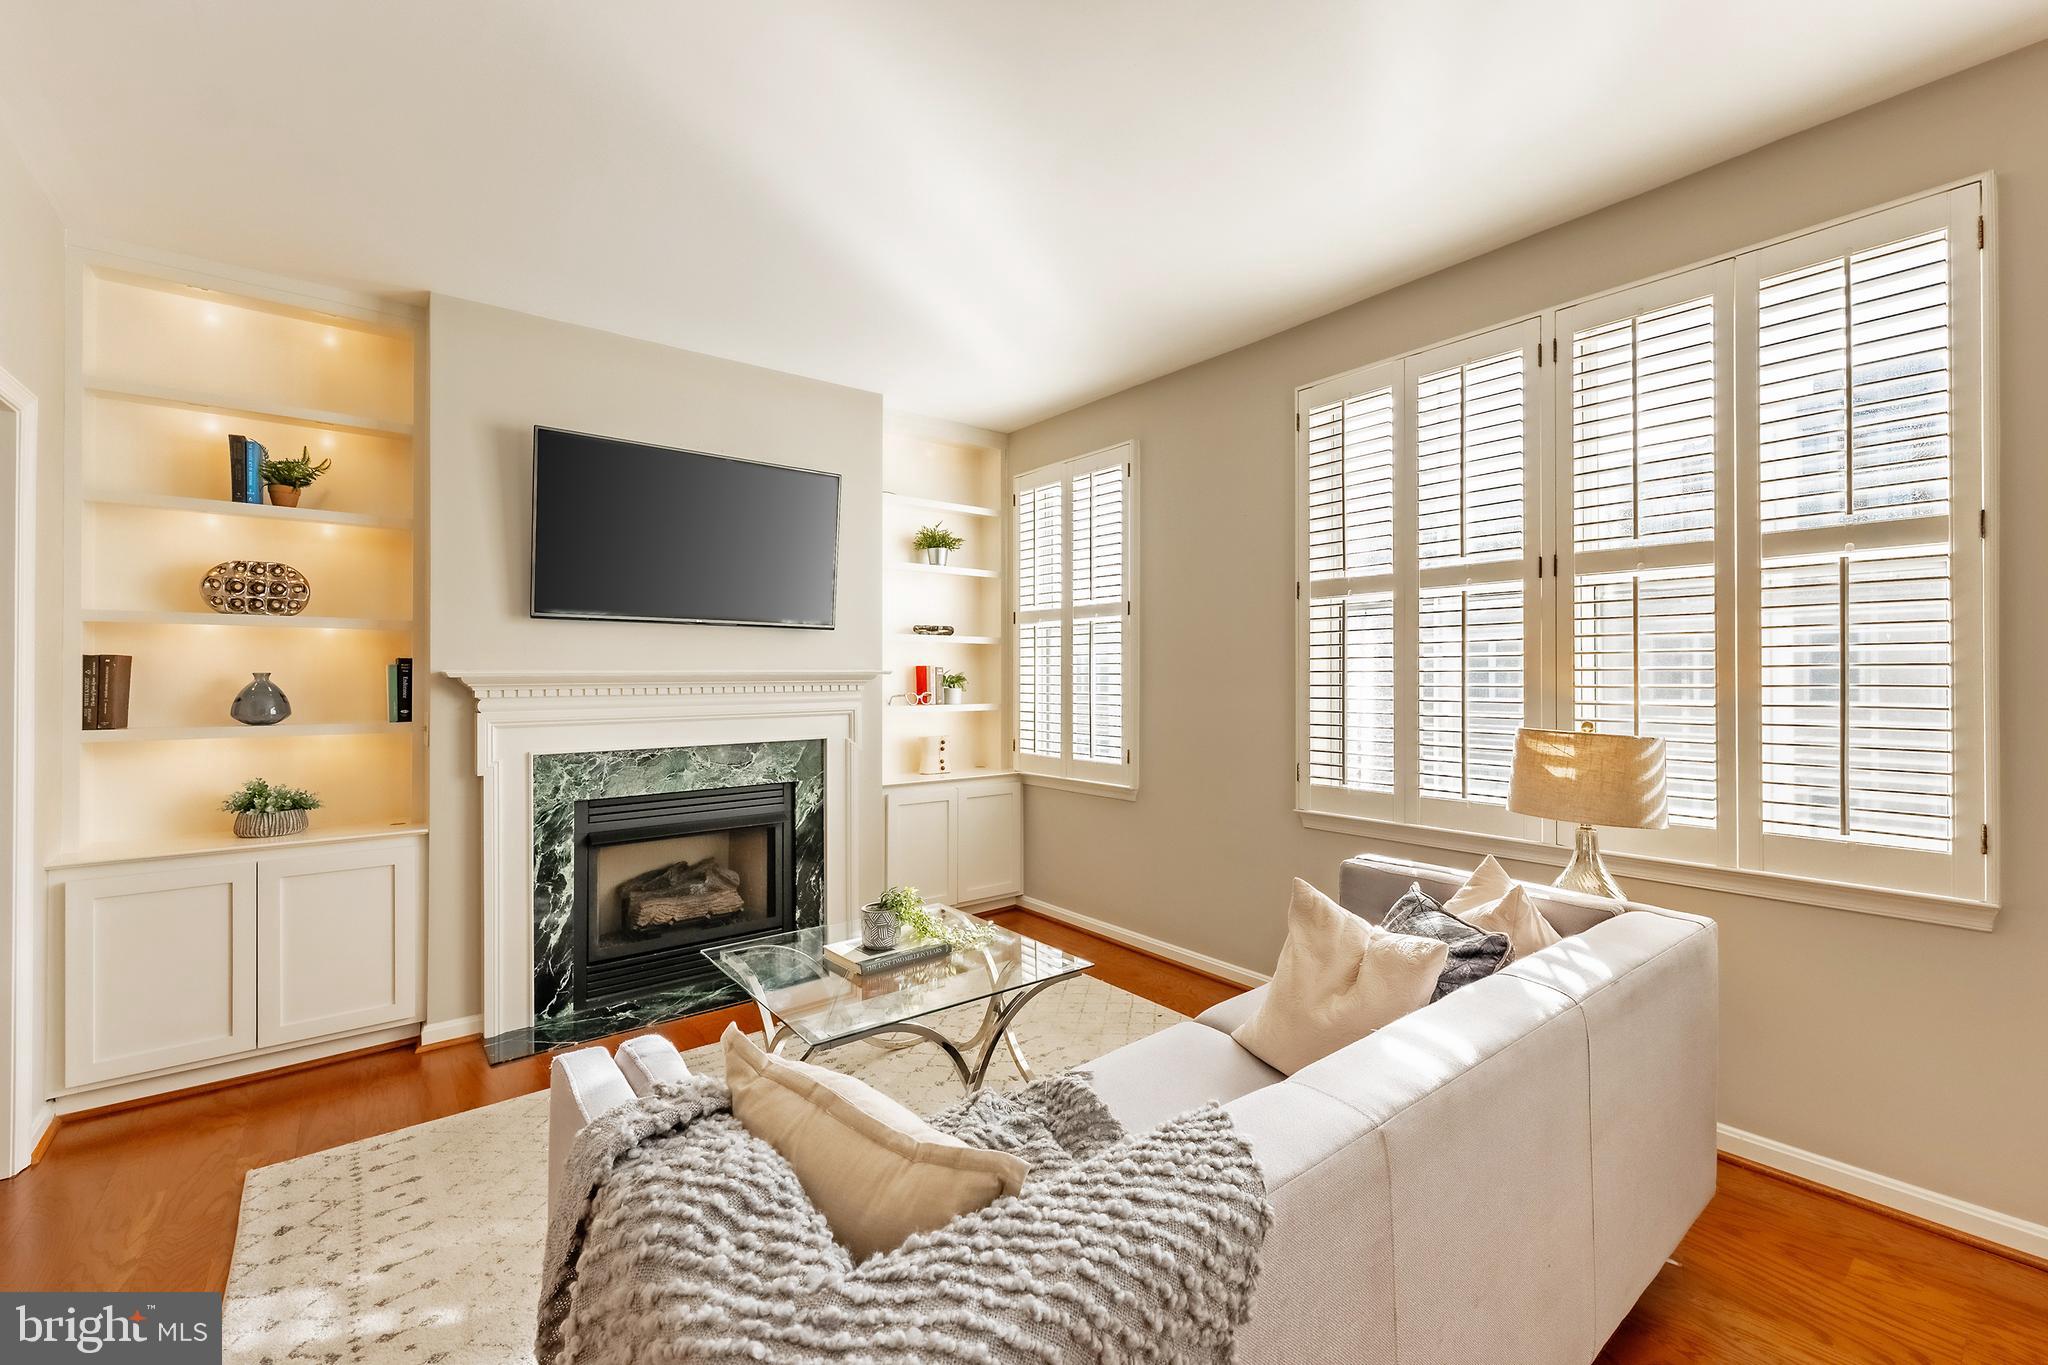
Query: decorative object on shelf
(955,687)
(398,690)
(252,587)
(937,543)
(286,479)
(245,469)
(263,810)
(103,691)
(1590,779)
(260,702)
(934,764)
(881,922)
(931,630)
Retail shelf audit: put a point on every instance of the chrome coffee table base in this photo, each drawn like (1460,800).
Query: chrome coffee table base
(996,1019)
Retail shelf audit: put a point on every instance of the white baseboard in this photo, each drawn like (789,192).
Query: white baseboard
(446,1030)
(1145,943)
(1955,1214)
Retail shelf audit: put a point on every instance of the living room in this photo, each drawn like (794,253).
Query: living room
(1393,641)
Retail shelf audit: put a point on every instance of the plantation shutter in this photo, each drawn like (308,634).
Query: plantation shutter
(1644,420)
(1076,618)
(1868,613)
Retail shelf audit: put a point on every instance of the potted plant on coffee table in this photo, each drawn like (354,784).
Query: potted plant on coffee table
(288,478)
(901,915)
(265,810)
(937,543)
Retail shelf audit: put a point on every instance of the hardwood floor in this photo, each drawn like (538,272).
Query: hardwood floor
(146,1198)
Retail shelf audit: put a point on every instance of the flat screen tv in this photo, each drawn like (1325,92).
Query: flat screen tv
(630,532)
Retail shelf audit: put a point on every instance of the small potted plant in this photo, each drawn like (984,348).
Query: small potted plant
(881,921)
(288,478)
(956,688)
(937,543)
(263,810)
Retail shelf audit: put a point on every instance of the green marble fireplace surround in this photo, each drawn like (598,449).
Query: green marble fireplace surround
(560,781)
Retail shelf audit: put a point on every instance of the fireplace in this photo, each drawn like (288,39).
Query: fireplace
(660,877)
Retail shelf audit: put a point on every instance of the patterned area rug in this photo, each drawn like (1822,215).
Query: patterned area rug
(423,1246)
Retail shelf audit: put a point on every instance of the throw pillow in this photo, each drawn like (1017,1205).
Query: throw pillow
(1339,979)
(1474,953)
(1492,901)
(876,1171)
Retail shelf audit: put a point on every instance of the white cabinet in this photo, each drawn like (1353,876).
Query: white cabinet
(184,962)
(337,941)
(958,841)
(159,969)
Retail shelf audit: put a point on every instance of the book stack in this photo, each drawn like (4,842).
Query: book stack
(849,959)
(926,683)
(398,690)
(245,469)
(104,691)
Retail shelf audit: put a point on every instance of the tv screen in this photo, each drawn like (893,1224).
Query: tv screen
(629,532)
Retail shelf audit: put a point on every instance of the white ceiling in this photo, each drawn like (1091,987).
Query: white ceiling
(986,211)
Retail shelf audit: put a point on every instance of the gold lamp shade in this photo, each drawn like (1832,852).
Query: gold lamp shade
(1589,779)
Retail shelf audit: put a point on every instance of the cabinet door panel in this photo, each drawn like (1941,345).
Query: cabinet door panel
(338,935)
(921,840)
(991,841)
(159,969)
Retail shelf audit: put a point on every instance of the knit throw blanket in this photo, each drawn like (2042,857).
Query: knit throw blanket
(679,1236)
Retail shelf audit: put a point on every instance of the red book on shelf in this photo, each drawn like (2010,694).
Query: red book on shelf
(924,684)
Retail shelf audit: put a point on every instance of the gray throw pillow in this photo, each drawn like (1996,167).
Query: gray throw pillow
(1474,953)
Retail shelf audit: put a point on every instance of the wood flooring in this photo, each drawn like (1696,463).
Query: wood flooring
(1773,1271)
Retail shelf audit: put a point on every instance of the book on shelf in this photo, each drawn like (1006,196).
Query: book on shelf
(245,469)
(398,690)
(848,958)
(104,691)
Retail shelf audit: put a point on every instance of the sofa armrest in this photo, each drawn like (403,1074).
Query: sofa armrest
(650,1060)
(581,1085)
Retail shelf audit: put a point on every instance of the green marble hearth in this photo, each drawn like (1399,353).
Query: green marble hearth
(562,780)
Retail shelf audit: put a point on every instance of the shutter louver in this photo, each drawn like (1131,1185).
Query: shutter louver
(1469,433)
(1039,548)
(1643,663)
(1099,689)
(1471,691)
(1041,567)
(1643,398)
(1853,387)
(1099,538)
(1857,699)
(1038,689)
(1351,486)
(1351,692)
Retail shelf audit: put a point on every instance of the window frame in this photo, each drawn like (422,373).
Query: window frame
(1734,856)
(1067,770)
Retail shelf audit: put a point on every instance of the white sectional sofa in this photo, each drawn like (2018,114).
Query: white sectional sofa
(1496,1177)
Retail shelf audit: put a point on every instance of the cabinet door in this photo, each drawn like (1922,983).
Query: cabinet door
(922,834)
(991,861)
(159,969)
(338,940)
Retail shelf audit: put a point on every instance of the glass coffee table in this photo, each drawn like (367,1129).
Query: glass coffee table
(800,997)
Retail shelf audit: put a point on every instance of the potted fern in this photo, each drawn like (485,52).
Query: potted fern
(902,909)
(955,685)
(288,478)
(937,543)
(264,810)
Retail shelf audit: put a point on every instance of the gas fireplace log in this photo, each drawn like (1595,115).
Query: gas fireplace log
(679,893)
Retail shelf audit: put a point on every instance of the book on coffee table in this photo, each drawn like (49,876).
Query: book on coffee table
(848,958)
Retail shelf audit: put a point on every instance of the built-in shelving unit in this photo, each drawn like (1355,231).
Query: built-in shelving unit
(167,364)
(934,473)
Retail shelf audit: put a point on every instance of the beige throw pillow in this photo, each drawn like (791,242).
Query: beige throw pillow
(1339,978)
(1492,901)
(876,1171)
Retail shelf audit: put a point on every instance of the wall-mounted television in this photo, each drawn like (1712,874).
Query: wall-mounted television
(631,532)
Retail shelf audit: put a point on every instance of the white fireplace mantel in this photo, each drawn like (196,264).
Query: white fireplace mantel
(520,715)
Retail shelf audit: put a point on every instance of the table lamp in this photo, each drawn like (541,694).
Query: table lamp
(1590,779)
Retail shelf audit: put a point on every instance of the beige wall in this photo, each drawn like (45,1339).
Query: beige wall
(1907,1049)
(493,375)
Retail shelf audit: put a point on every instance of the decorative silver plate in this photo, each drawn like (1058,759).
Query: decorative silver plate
(251,587)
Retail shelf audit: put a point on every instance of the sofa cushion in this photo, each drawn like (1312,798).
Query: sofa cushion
(1475,953)
(876,1171)
(1172,1071)
(1339,978)
(1492,901)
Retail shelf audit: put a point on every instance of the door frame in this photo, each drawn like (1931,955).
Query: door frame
(26,1117)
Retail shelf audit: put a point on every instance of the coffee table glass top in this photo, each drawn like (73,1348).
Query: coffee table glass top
(787,976)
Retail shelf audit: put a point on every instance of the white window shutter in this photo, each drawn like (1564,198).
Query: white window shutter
(1473,699)
(1040,568)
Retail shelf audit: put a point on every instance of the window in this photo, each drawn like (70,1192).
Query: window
(1076,618)
(1736,507)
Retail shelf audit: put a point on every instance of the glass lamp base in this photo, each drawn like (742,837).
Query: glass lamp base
(1586,872)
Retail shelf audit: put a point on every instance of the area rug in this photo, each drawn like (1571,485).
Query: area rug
(423,1246)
